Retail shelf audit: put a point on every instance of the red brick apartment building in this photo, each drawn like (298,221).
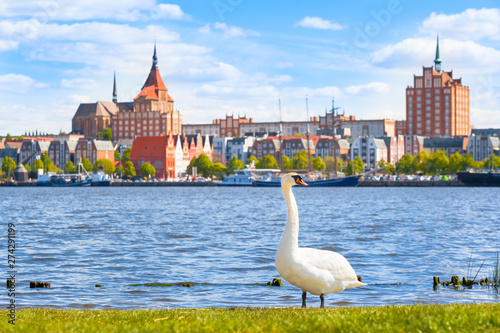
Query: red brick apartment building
(437,105)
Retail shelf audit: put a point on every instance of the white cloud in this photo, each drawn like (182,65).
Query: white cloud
(233,31)
(79,83)
(284,64)
(173,12)
(412,52)
(7,45)
(205,29)
(369,88)
(471,24)
(318,23)
(66,10)
(95,32)
(19,83)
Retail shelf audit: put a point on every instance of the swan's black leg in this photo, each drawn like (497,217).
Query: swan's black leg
(322,298)
(304,295)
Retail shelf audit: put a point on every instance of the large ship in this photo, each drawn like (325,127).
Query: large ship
(349,181)
(469,178)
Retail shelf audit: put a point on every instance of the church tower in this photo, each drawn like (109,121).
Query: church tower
(152,113)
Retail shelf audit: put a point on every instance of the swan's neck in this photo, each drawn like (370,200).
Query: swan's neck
(290,238)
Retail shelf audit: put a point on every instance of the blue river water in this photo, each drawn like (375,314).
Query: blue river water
(225,240)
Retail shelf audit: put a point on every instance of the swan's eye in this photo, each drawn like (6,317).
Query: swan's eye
(297,178)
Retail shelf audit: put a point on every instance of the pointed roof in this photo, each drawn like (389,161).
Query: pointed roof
(115,95)
(154,82)
(438,57)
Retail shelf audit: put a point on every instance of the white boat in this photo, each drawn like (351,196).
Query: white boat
(246,177)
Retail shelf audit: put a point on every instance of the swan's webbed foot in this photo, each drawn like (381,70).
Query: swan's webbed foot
(322,298)
(304,295)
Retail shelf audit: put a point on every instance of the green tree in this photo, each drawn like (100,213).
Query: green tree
(300,160)
(358,164)
(406,165)
(423,162)
(119,170)
(107,166)
(87,165)
(287,163)
(27,167)
(438,163)
(234,164)
(8,166)
(218,170)
(252,159)
(456,163)
(126,154)
(268,162)
(48,165)
(129,169)
(9,137)
(38,164)
(330,161)
(318,164)
(190,166)
(148,170)
(106,134)
(69,167)
(491,162)
(389,169)
(117,155)
(205,166)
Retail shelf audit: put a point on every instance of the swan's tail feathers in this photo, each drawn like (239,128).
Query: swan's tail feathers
(354,284)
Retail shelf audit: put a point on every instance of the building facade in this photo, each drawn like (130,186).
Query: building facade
(93,150)
(437,105)
(152,113)
(371,150)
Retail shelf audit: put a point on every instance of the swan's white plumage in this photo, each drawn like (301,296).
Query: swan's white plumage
(314,271)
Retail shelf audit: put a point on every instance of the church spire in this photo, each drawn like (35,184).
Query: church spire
(155,60)
(437,61)
(115,95)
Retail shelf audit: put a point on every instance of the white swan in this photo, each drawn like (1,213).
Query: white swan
(318,272)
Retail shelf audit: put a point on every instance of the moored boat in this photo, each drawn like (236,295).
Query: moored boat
(350,181)
(246,177)
(63,180)
(479,178)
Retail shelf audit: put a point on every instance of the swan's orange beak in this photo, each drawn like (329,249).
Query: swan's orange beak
(301,182)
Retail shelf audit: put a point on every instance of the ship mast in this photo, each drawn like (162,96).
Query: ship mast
(279,139)
(334,134)
(307,135)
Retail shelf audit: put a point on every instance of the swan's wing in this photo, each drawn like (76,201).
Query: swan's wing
(332,264)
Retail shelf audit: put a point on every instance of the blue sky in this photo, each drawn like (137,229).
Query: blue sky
(240,57)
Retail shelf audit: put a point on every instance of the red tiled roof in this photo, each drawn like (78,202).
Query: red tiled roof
(153,82)
(147,145)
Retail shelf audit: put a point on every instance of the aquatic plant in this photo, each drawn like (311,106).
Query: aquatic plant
(495,273)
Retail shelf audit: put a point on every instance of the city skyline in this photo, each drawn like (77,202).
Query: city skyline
(240,57)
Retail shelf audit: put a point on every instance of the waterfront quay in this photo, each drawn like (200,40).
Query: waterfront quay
(362,183)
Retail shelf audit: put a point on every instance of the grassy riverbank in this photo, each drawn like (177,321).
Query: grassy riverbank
(415,318)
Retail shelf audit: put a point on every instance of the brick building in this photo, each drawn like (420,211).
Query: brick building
(152,113)
(437,104)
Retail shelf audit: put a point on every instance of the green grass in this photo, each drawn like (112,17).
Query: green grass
(415,318)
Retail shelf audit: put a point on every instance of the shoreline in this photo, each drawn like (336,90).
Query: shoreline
(362,183)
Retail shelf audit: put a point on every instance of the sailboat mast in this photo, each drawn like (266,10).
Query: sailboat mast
(334,133)
(279,139)
(307,135)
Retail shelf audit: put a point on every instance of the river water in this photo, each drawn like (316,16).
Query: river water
(225,240)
